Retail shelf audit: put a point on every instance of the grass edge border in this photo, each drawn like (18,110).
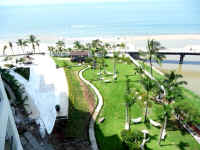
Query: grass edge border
(96,111)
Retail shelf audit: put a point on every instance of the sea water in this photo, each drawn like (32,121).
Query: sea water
(136,17)
(133,18)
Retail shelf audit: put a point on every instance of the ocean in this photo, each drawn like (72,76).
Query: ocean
(137,17)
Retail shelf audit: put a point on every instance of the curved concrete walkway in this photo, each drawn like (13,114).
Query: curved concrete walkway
(96,112)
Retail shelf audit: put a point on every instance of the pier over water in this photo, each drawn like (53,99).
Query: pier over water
(181,52)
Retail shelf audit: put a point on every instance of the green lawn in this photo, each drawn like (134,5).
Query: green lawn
(189,95)
(77,125)
(108,132)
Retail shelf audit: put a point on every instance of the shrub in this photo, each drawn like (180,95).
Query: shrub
(21,60)
(25,72)
(132,139)
(8,58)
(188,111)
(15,86)
(9,65)
(88,60)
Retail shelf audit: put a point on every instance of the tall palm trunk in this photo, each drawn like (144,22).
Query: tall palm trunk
(12,51)
(151,66)
(114,69)
(127,126)
(22,49)
(146,112)
(142,146)
(100,69)
(103,64)
(163,129)
(146,108)
(33,46)
(94,66)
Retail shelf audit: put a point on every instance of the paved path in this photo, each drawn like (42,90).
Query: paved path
(96,112)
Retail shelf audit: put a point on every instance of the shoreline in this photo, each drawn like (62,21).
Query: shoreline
(138,41)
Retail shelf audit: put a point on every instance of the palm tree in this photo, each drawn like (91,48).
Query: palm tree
(173,92)
(133,139)
(69,49)
(121,45)
(92,50)
(100,48)
(149,85)
(128,102)
(32,40)
(60,44)
(130,97)
(116,57)
(77,45)
(87,46)
(140,70)
(37,42)
(103,52)
(20,44)
(97,43)
(51,49)
(4,49)
(11,46)
(167,111)
(108,46)
(153,48)
(25,43)
(93,53)
(172,85)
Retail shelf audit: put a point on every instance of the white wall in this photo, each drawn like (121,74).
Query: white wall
(7,123)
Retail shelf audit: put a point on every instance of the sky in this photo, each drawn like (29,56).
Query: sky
(40,2)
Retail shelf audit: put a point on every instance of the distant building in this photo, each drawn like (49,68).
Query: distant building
(9,137)
(79,56)
(79,53)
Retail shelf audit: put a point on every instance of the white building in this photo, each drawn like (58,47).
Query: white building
(9,137)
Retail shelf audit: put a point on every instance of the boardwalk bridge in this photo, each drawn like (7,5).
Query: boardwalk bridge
(181,52)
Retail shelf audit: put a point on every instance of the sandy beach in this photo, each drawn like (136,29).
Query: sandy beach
(139,42)
(181,41)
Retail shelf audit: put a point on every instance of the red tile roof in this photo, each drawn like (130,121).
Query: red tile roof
(79,53)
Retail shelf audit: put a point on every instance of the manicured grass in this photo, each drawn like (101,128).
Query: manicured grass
(108,132)
(188,95)
(78,107)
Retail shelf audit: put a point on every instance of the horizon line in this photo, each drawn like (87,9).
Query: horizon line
(61,2)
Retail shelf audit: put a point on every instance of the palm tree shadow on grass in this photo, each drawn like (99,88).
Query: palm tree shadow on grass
(174,125)
(113,142)
(152,137)
(108,142)
(73,128)
(182,145)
